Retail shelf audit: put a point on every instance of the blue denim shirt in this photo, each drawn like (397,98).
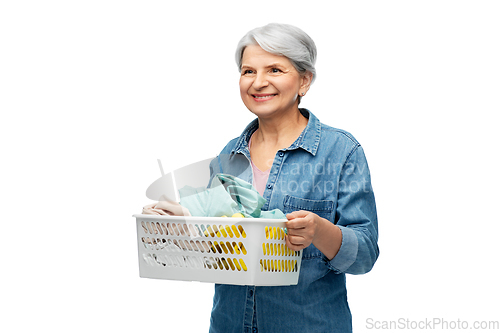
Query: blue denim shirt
(325,172)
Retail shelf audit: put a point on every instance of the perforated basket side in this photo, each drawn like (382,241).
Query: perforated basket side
(275,263)
(220,250)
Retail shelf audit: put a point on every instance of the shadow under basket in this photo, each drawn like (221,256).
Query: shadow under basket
(226,250)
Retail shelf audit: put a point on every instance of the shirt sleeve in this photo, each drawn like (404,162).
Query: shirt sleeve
(356,216)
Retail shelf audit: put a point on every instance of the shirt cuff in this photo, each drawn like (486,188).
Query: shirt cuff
(347,253)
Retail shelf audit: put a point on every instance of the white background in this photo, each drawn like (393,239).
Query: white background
(93,92)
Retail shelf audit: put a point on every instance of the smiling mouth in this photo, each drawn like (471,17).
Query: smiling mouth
(263,97)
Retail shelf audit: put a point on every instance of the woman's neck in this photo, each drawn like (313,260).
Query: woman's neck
(280,131)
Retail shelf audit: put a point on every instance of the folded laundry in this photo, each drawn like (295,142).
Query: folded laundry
(165,207)
(227,195)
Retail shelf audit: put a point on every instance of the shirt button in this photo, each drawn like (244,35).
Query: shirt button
(281,154)
(269,186)
(254,330)
(250,292)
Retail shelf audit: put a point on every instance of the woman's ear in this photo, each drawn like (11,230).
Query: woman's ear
(306,81)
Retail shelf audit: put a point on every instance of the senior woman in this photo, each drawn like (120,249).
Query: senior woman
(314,173)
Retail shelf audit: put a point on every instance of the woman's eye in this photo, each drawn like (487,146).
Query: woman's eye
(275,70)
(247,71)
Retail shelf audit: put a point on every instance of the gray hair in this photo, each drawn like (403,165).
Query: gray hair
(283,40)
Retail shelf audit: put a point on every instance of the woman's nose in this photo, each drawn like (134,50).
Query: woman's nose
(260,81)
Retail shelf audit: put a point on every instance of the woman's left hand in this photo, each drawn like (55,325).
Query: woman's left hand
(305,228)
(302,227)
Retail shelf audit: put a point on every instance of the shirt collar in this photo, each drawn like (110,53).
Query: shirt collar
(307,140)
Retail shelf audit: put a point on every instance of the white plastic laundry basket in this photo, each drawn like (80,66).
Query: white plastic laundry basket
(240,251)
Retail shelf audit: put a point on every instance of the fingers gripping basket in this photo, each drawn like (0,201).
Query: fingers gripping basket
(241,251)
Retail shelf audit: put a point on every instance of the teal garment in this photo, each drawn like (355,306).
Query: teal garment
(227,195)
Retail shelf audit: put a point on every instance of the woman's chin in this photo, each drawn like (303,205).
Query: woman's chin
(262,113)
(266,113)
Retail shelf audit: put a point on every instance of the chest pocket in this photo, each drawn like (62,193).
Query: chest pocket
(322,208)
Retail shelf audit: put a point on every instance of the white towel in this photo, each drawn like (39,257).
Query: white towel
(165,207)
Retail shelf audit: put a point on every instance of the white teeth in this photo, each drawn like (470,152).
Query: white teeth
(260,97)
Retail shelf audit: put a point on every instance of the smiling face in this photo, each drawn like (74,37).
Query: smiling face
(270,84)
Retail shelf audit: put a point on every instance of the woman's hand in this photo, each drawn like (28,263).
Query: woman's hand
(302,227)
(306,228)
